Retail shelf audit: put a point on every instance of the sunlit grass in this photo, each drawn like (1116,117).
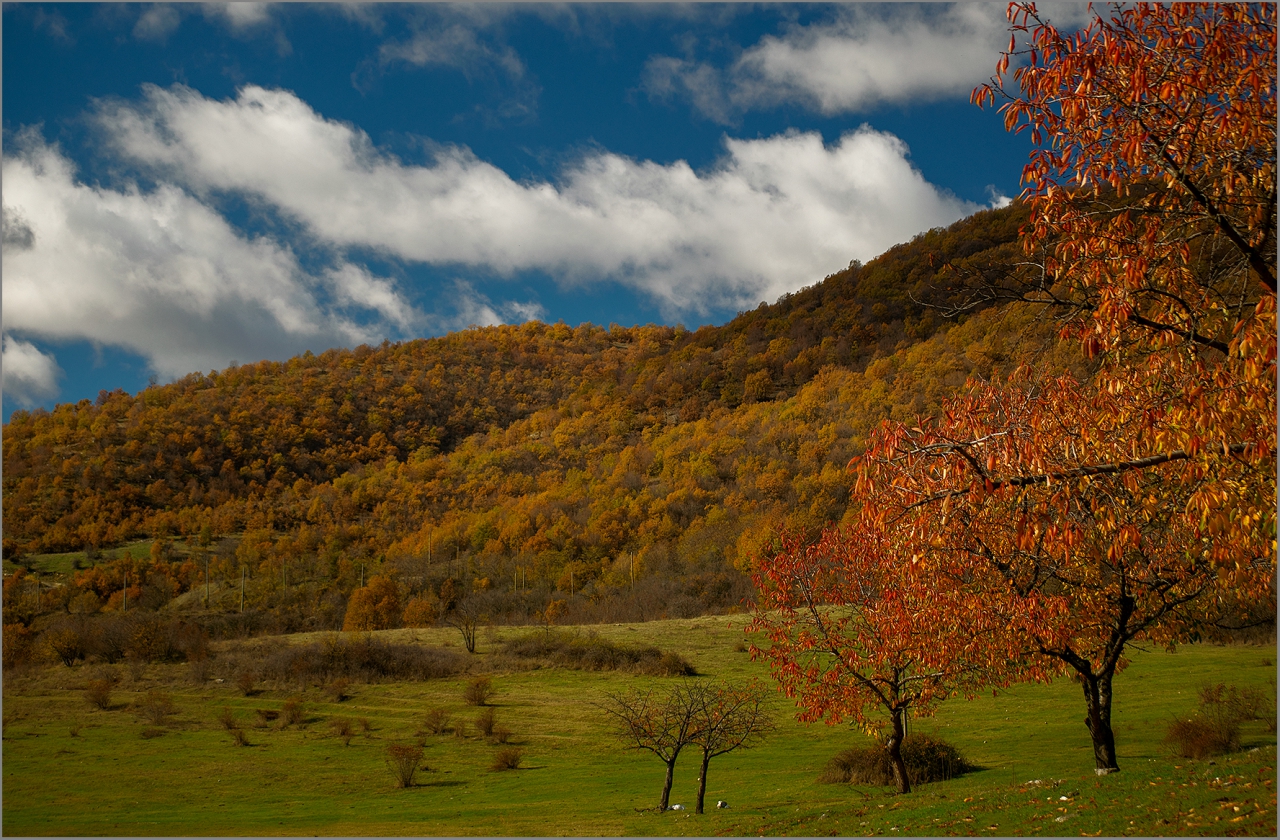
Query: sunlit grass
(1030,742)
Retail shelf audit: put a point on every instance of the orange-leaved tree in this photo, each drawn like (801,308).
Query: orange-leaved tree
(860,629)
(1037,489)
(375,606)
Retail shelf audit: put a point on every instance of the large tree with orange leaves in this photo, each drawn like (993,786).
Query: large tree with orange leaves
(1140,503)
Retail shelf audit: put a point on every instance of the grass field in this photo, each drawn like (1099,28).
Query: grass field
(73,770)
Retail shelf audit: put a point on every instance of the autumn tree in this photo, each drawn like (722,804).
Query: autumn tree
(859,629)
(660,722)
(727,717)
(374,606)
(1029,495)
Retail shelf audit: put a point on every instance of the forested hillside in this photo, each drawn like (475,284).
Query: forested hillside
(628,470)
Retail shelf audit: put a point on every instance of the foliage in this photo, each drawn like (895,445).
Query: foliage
(156,706)
(928,759)
(485,721)
(363,658)
(858,628)
(375,606)
(436,721)
(344,729)
(98,693)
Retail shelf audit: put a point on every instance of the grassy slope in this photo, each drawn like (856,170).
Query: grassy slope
(192,780)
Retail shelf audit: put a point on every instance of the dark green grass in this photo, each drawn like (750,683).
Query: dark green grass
(1030,742)
(67,563)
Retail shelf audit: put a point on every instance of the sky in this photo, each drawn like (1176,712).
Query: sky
(192,186)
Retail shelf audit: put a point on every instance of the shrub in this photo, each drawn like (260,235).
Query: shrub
(420,612)
(460,729)
(156,706)
(591,653)
(244,681)
(478,691)
(508,758)
(293,711)
(500,735)
(485,721)
(239,738)
(150,733)
(362,658)
(98,693)
(344,729)
(928,759)
(265,716)
(436,721)
(227,719)
(1215,727)
(403,760)
(74,730)
(338,689)
(365,726)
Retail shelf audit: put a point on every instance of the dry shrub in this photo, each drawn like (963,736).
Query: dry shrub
(436,721)
(403,759)
(508,758)
(245,681)
(591,653)
(74,730)
(343,728)
(478,691)
(239,738)
(338,689)
(500,735)
(293,711)
(365,726)
(1215,727)
(485,721)
(266,716)
(156,706)
(98,693)
(227,719)
(363,659)
(150,733)
(928,759)
(460,729)
(198,670)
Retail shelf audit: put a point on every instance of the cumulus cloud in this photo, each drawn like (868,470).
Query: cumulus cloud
(865,56)
(30,376)
(162,274)
(239,16)
(474,309)
(772,215)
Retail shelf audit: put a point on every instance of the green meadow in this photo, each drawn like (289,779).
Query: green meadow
(71,769)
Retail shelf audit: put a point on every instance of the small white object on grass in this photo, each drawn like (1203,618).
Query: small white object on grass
(720,803)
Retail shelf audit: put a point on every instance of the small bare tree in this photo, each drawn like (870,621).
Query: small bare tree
(660,722)
(725,717)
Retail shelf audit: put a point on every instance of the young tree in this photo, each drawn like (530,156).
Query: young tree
(375,606)
(859,628)
(660,722)
(726,717)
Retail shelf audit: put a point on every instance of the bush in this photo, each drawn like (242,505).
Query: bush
(478,691)
(928,759)
(244,681)
(508,758)
(338,689)
(591,653)
(500,735)
(403,760)
(1215,727)
(265,716)
(293,711)
(156,706)
(98,693)
(227,719)
(485,721)
(239,738)
(344,729)
(436,721)
(363,659)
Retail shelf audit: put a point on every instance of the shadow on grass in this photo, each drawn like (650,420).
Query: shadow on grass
(441,784)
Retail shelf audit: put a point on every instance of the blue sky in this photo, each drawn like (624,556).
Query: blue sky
(187,186)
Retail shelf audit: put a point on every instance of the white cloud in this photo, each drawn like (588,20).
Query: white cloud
(157,23)
(452,46)
(773,215)
(30,376)
(239,16)
(163,275)
(473,309)
(865,56)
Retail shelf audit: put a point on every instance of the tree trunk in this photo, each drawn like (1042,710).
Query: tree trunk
(702,781)
(1097,698)
(666,785)
(895,752)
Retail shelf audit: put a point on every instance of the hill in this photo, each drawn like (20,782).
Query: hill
(630,471)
